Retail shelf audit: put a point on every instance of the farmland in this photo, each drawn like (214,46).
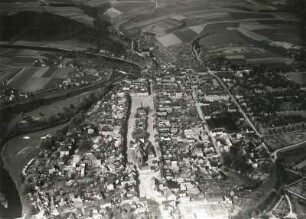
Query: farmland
(297,77)
(223,38)
(279,141)
(32,79)
(253,29)
(49,110)
(32,71)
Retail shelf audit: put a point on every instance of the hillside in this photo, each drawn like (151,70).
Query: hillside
(45,26)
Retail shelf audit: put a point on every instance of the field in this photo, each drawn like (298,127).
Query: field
(32,79)
(297,77)
(57,107)
(72,13)
(223,39)
(249,52)
(252,28)
(214,28)
(169,40)
(271,60)
(275,142)
(8,73)
(245,15)
(186,35)
(292,35)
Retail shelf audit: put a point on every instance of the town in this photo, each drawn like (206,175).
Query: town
(177,116)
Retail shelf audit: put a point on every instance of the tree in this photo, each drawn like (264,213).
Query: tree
(85,145)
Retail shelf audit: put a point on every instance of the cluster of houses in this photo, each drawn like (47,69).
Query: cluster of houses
(138,88)
(273,102)
(8,94)
(228,128)
(84,170)
(83,76)
(53,60)
(180,135)
(76,73)
(187,150)
(209,90)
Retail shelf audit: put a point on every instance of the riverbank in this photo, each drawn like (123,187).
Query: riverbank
(19,150)
(16,153)
(8,189)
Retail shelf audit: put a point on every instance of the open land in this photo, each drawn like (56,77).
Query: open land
(222,25)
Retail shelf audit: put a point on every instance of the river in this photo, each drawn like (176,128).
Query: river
(8,189)
(15,155)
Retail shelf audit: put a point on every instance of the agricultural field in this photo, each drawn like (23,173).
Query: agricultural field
(224,38)
(289,34)
(33,71)
(32,79)
(11,7)
(45,111)
(253,29)
(275,142)
(72,13)
(186,35)
(297,77)
(215,28)
(169,40)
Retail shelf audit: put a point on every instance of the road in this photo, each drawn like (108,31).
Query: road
(290,214)
(155,6)
(236,103)
(290,147)
(202,116)
(212,73)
